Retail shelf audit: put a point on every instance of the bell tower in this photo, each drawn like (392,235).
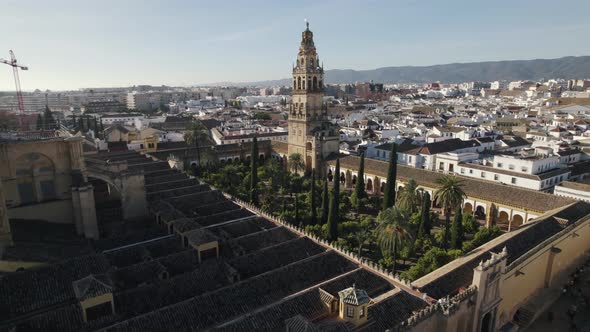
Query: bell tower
(311,134)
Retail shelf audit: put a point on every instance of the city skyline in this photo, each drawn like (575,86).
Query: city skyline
(173,44)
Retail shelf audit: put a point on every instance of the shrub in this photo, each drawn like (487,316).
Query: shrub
(470,225)
(432,260)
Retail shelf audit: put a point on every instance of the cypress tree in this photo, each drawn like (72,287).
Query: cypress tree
(325,203)
(389,196)
(359,190)
(314,212)
(88,123)
(425,216)
(333,214)
(49,122)
(39,121)
(254,173)
(457,230)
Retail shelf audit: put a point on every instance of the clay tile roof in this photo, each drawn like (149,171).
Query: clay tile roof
(300,324)
(354,296)
(92,286)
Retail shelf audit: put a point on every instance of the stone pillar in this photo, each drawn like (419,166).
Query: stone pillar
(5,232)
(133,196)
(88,212)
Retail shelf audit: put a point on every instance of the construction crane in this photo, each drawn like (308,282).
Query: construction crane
(19,94)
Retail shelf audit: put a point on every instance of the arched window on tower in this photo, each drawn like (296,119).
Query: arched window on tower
(294,84)
(309,83)
(315,83)
(298,83)
(303,85)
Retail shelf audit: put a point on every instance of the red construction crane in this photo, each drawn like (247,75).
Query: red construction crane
(19,94)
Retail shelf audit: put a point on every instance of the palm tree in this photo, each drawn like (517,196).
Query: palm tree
(449,196)
(409,197)
(196,134)
(296,162)
(392,231)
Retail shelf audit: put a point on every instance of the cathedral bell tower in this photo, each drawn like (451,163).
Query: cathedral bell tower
(311,134)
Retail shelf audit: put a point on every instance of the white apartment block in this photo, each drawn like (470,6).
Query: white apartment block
(531,172)
(576,190)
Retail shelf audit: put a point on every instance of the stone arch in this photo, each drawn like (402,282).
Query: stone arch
(342,178)
(503,217)
(467,208)
(309,83)
(303,84)
(383,186)
(353,182)
(480,212)
(369,185)
(308,163)
(237,160)
(517,221)
(299,83)
(330,175)
(35,177)
(308,146)
(107,194)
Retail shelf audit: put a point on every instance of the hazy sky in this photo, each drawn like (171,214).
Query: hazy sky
(73,44)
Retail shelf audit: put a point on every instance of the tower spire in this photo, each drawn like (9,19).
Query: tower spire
(306,24)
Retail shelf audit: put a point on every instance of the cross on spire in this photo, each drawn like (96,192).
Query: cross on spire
(307,24)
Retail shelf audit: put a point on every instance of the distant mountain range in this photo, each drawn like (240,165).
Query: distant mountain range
(510,70)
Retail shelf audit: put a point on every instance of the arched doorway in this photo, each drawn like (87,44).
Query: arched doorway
(480,212)
(354,180)
(107,202)
(467,208)
(342,178)
(503,217)
(486,322)
(383,186)
(369,186)
(517,221)
(330,175)
(503,220)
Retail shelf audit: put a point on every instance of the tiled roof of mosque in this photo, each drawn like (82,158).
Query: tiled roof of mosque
(266,274)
